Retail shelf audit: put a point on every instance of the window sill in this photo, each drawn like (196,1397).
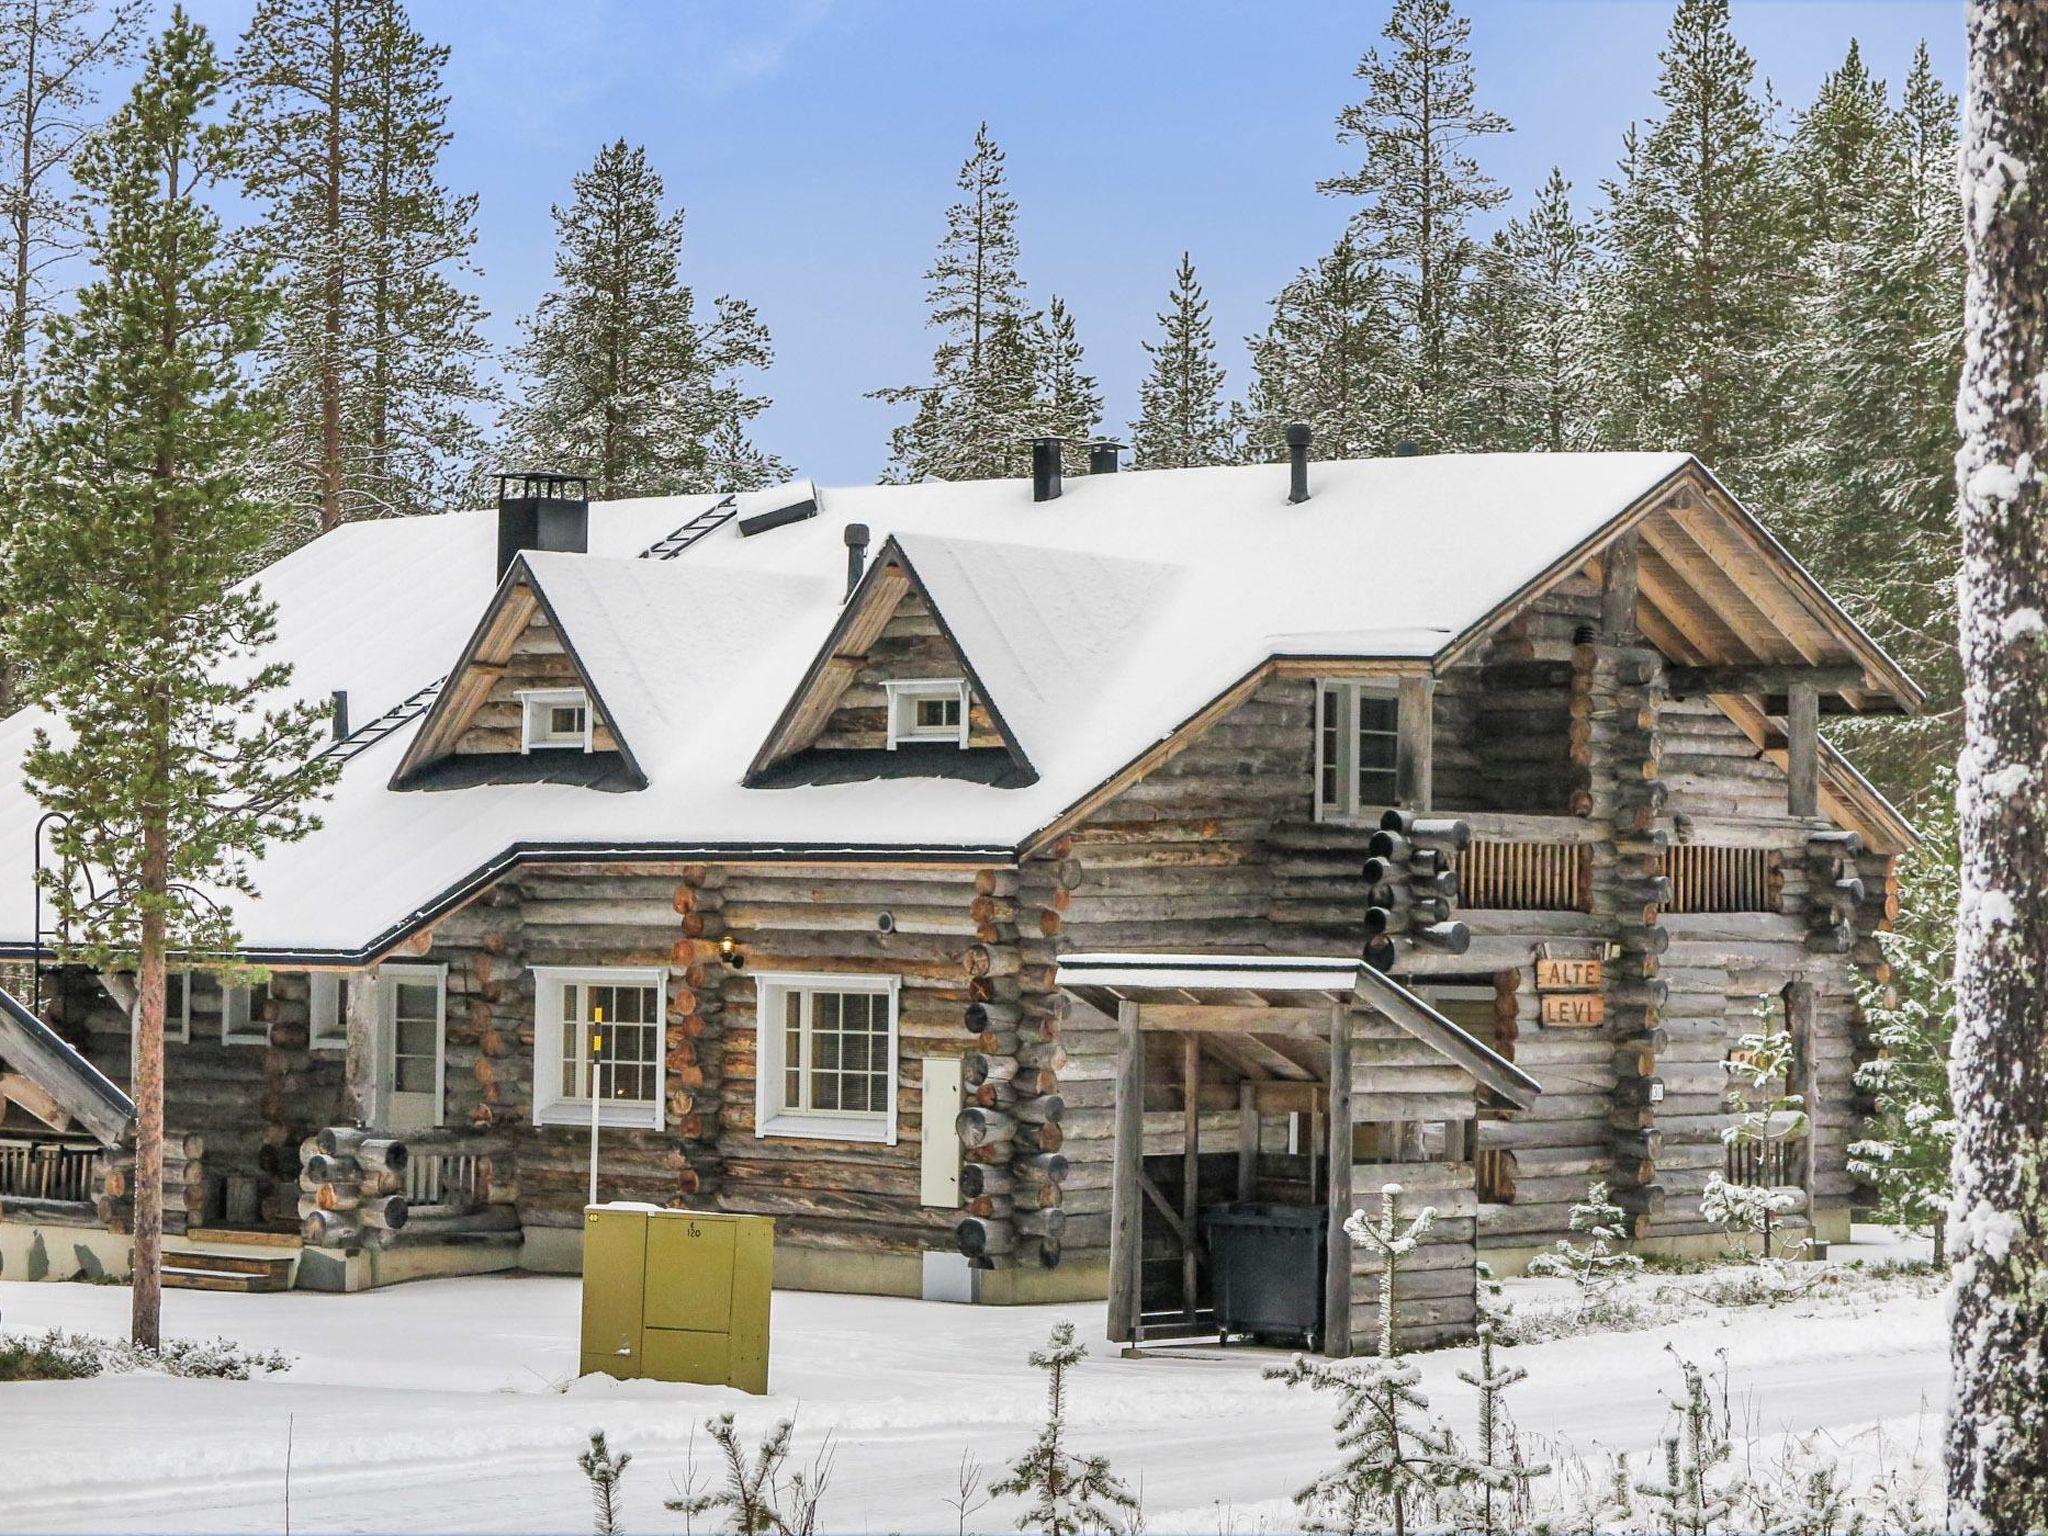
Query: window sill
(611,1117)
(879,1129)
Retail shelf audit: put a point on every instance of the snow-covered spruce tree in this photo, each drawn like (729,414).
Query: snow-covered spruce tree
(1182,420)
(1421,188)
(1500,1477)
(375,359)
(1069,1493)
(1698,308)
(176,762)
(1329,357)
(1691,1498)
(622,382)
(1596,1266)
(972,417)
(1395,1456)
(1069,401)
(1551,256)
(1865,490)
(1909,1140)
(604,1471)
(1998,1221)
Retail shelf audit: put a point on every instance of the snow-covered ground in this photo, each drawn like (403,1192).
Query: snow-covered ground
(452,1405)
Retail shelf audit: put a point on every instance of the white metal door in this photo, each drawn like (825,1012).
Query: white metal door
(412,1041)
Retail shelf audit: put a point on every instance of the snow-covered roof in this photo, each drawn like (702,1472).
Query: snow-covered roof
(1099,623)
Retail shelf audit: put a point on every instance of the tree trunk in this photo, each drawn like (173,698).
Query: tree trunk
(1998,1420)
(334,294)
(148,1085)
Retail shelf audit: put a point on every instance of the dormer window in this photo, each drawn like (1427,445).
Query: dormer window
(557,718)
(928,710)
(1357,750)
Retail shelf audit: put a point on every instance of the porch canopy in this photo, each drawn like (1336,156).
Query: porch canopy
(1328,1039)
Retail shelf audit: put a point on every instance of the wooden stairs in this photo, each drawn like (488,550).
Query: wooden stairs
(211,1259)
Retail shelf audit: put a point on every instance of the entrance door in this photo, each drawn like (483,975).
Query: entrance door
(412,1042)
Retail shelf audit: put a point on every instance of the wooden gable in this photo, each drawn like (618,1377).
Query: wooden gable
(519,647)
(890,631)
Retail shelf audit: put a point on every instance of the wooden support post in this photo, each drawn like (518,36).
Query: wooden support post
(1247,1140)
(1414,745)
(1126,1192)
(1801,1010)
(1337,1245)
(1802,750)
(1190,1166)
(359,1071)
(1618,568)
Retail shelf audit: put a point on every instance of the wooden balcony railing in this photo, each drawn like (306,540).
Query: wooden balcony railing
(38,1168)
(1519,876)
(1709,877)
(450,1178)
(1762,1164)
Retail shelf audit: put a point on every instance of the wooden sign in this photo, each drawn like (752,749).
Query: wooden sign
(1573,1010)
(1567,975)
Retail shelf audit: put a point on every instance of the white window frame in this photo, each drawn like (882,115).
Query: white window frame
(534,703)
(238,1023)
(772,1117)
(326,1012)
(389,975)
(1349,691)
(903,697)
(550,1105)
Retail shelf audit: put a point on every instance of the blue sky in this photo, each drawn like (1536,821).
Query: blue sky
(814,143)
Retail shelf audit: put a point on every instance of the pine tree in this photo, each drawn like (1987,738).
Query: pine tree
(981,403)
(1069,1494)
(176,763)
(604,1472)
(1689,1501)
(623,384)
(1998,1309)
(753,1498)
(51,53)
(375,358)
(1909,1139)
(1422,188)
(1595,1267)
(1182,420)
(1497,1467)
(1395,1455)
(1329,357)
(1693,226)
(1867,484)
(1554,257)
(1068,399)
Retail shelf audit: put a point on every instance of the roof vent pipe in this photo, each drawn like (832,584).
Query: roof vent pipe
(1407,448)
(1298,436)
(1045,468)
(338,709)
(856,554)
(1102,457)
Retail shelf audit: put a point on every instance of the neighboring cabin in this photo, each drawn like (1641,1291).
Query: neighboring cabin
(837,807)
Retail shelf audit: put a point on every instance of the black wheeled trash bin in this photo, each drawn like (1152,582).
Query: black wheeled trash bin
(1266,1269)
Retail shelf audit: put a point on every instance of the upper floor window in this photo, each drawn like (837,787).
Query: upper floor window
(826,1048)
(598,1032)
(1357,749)
(932,710)
(555,717)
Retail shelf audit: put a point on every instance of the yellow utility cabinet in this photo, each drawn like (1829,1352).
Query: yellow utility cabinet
(677,1295)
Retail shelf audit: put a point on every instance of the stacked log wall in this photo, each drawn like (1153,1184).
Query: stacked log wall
(539,660)
(911,648)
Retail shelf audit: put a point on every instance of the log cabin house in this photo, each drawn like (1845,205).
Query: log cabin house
(896,845)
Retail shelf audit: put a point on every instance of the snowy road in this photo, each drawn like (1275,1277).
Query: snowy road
(447,1405)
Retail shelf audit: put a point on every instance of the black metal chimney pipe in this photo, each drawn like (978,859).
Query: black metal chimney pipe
(1298,436)
(543,512)
(339,710)
(1045,468)
(1102,457)
(856,554)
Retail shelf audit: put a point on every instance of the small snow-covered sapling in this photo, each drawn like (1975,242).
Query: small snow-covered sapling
(1069,1494)
(755,1499)
(1496,1465)
(1594,1266)
(604,1470)
(1689,1500)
